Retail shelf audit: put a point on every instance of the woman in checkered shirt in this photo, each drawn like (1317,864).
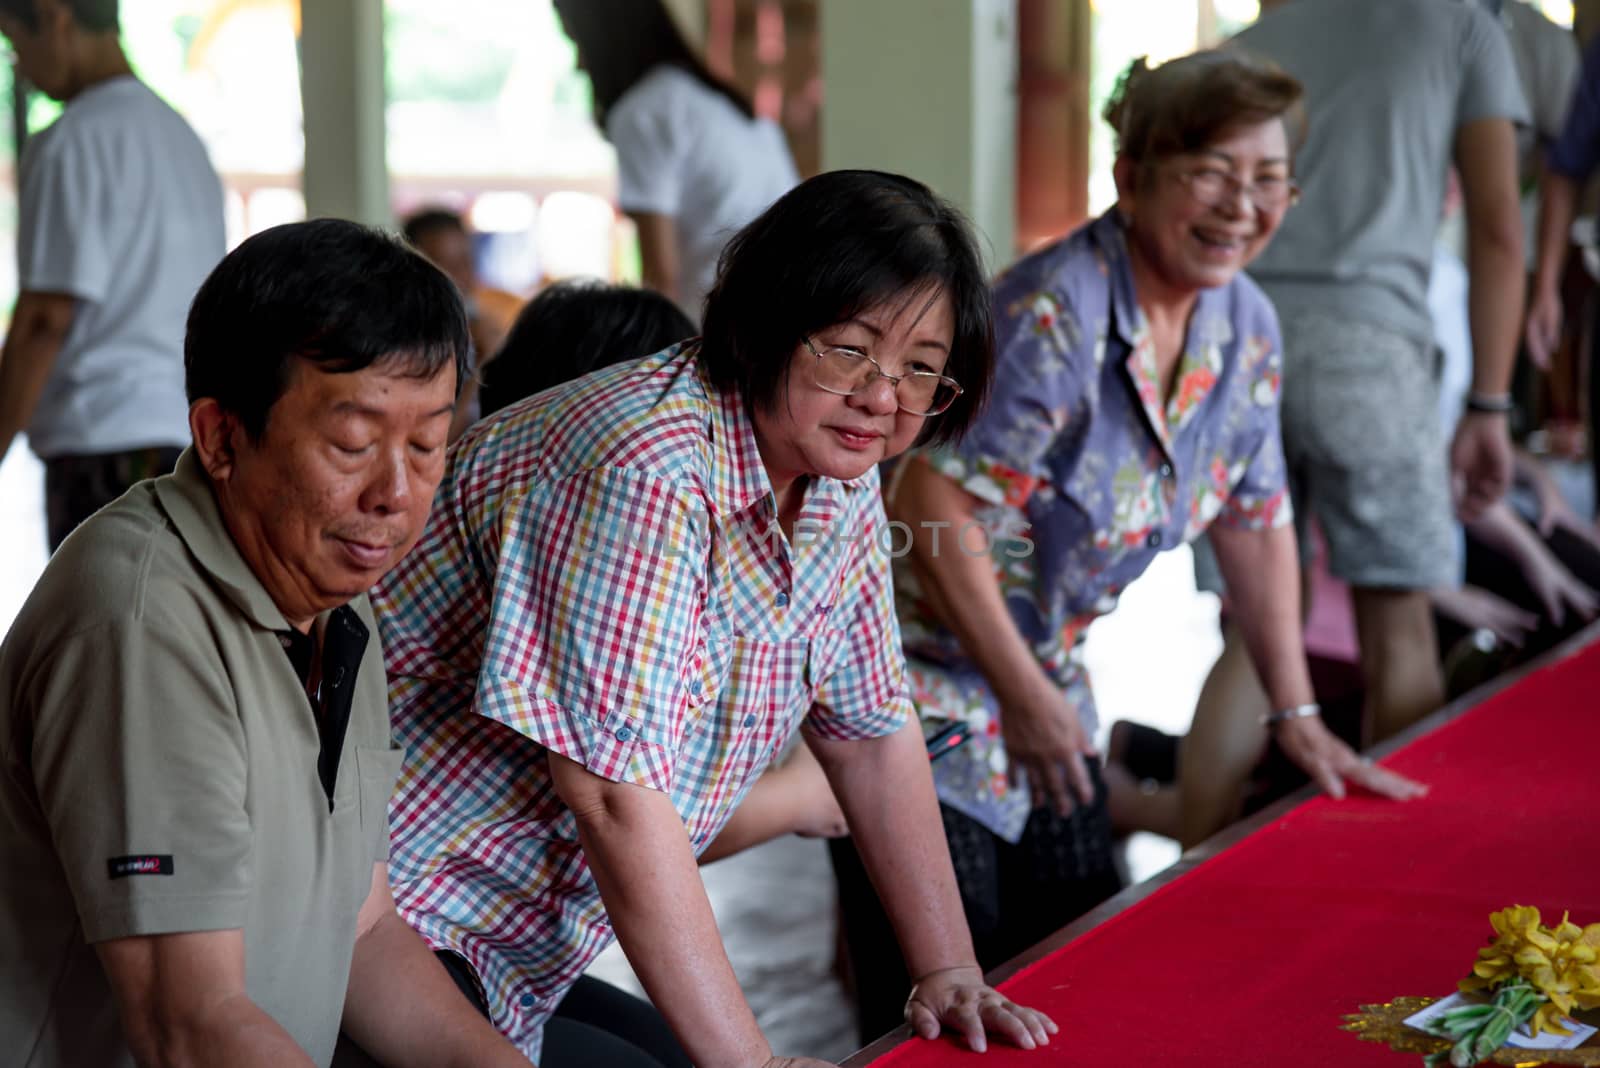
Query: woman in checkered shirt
(634,589)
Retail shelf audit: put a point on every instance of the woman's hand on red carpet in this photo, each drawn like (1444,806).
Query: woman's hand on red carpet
(958,1000)
(1322,755)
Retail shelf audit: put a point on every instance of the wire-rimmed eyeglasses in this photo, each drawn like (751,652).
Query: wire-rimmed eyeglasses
(1212,186)
(846,372)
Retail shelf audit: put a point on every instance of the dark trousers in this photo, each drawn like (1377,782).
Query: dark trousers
(1014,897)
(76,487)
(595,1026)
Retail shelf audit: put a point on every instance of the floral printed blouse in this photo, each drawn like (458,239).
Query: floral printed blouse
(1088,474)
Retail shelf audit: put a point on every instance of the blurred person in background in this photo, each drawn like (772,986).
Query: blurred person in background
(1135,405)
(1396,90)
(694,163)
(572,328)
(1528,577)
(442,236)
(119,218)
(1570,163)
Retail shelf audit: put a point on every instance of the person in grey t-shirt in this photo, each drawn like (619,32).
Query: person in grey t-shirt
(1397,91)
(119,218)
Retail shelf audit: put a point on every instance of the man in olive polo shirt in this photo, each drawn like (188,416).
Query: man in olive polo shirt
(195,759)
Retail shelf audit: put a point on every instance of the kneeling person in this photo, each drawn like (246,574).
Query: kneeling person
(193,721)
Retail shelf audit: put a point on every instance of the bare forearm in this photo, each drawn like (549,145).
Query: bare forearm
(763,815)
(30,351)
(235,1031)
(403,1008)
(886,791)
(1495,264)
(1262,570)
(646,873)
(658,252)
(937,509)
(1558,205)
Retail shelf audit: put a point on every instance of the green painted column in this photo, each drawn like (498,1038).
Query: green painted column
(928,90)
(342,91)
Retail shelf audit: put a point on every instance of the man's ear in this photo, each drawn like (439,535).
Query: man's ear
(216,433)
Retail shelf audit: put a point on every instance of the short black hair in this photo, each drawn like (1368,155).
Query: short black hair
(573,328)
(837,245)
(94,16)
(420,224)
(338,294)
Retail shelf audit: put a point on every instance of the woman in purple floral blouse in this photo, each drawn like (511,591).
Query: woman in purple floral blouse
(1135,405)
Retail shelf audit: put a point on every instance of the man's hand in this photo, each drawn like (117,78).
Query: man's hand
(1542,333)
(797,1062)
(958,999)
(1480,459)
(1323,756)
(1046,742)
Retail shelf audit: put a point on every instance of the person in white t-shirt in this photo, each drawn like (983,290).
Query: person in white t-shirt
(694,164)
(119,220)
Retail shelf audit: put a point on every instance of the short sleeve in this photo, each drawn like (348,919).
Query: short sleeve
(1042,352)
(646,128)
(598,597)
(864,694)
(63,219)
(1490,87)
(1576,152)
(139,760)
(1556,79)
(1257,477)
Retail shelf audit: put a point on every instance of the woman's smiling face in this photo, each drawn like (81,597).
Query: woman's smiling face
(810,431)
(1200,218)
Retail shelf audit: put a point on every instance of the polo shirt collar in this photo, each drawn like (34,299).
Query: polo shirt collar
(189,501)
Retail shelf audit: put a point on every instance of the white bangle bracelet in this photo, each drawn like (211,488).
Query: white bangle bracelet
(1297,712)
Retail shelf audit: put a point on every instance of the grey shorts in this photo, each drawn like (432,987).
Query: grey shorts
(1365,452)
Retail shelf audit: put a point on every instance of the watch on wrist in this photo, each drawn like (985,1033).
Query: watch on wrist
(1490,403)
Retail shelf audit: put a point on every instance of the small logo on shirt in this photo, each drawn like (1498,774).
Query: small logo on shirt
(145,864)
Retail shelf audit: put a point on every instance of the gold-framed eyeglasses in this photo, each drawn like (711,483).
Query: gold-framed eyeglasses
(846,372)
(1212,186)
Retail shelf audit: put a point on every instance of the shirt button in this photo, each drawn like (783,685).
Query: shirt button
(1165,470)
(527,1001)
(695,687)
(623,734)
(783,600)
(1154,540)
(750,721)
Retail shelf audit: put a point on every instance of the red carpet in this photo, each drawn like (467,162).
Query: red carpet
(1252,958)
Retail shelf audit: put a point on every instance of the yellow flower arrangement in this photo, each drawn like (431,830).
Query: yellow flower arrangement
(1561,963)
